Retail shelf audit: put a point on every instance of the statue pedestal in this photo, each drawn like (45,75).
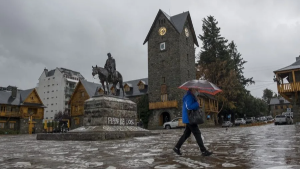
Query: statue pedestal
(105,117)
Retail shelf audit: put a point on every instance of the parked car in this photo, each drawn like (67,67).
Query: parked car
(175,123)
(227,124)
(239,121)
(249,120)
(280,119)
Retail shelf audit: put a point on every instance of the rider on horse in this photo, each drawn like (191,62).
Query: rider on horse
(110,66)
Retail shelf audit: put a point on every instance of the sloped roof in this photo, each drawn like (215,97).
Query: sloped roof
(5,98)
(90,87)
(295,65)
(134,91)
(25,93)
(276,100)
(50,73)
(177,21)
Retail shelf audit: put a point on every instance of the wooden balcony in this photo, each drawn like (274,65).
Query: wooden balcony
(163,105)
(10,114)
(288,87)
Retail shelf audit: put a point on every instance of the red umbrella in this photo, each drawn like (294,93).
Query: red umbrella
(203,86)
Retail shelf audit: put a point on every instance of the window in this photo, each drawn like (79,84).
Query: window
(163,79)
(53,78)
(52,84)
(164,97)
(141,86)
(127,88)
(52,90)
(11,125)
(48,85)
(47,91)
(31,97)
(48,78)
(52,104)
(1,125)
(47,97)
(76,108)
(8,109)
(82,94)
(3,108)
(51,110)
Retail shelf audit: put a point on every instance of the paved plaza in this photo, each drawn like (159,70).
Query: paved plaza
(269,146)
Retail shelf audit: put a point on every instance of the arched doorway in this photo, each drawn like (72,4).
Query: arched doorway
(164,117)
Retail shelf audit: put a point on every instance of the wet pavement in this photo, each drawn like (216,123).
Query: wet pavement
(267,147)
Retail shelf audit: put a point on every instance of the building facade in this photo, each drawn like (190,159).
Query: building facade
(55,88)
(171,62)
(15,109)
(279,105)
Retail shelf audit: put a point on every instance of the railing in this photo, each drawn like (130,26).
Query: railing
(162,105)
(288,87)
(10,114)
(78,113)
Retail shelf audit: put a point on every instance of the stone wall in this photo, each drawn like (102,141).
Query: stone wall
(73,123)
(154,119)
(107,110)
(39,128)
(7,122)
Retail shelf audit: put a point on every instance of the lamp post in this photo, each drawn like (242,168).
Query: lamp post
(30,123)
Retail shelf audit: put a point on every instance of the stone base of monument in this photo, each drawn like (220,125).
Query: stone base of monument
(105,118)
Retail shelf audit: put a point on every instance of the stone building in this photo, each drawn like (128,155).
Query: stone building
(279,105)
(171,62)
(16,108)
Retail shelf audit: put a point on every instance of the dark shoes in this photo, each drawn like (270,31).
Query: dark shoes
(206,153)
(177,151)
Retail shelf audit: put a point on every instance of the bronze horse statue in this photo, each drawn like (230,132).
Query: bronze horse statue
(104,76)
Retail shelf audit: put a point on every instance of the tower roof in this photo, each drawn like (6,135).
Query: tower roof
(177,21)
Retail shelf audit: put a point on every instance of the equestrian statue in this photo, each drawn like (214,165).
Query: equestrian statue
(109,75)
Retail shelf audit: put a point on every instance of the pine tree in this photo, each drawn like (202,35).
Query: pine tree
(238,64)
(214,45)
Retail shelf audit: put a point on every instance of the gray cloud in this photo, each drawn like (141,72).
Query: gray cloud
(78,34)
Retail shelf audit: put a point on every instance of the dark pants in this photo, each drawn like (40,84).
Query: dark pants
(187,132)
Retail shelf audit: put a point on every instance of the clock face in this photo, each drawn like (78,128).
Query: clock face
(186,31)
(162,31)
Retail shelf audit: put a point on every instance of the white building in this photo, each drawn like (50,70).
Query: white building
(55,88)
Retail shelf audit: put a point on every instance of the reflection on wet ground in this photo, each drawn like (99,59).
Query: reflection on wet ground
(269,146)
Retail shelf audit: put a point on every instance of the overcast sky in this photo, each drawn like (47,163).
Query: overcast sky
(79,34)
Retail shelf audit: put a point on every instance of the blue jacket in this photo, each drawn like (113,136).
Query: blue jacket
(189,101)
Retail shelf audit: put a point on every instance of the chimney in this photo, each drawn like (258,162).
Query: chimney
(46,71)
(14,91)
(297,58)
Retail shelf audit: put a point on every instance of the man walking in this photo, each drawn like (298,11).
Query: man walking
(190,102)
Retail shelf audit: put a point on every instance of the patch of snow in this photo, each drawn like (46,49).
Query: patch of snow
(283,167)
(283,148)
(167,166)
(148,154)
(95,164)
(149,161)
(111,167)
(228,165)
(125,151)
(92,149)
(156,150)
(61,153)
(77,153)
(23,164)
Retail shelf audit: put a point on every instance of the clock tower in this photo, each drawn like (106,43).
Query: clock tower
(171,62)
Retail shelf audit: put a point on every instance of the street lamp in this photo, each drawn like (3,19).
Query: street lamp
(30,123)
